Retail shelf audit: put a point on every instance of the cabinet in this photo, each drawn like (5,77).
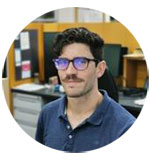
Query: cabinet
(134,70)
(26,111)
(27,105)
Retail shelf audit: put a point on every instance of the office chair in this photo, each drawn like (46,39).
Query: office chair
(108,83)
(112,55)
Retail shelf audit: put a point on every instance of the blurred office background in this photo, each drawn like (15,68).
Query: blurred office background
(29,75)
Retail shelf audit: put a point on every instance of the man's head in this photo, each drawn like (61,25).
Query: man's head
(79,35)
(79,61)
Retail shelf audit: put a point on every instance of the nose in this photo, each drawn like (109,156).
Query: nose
(71,69)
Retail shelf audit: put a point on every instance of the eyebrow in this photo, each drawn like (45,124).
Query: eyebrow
(77,57)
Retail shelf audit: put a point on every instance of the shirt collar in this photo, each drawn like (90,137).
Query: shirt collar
(62,105)
(96,118)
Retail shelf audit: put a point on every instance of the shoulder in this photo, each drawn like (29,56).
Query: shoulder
(120,119)
(117,116)
(53,107)
(114,109)
(119,112)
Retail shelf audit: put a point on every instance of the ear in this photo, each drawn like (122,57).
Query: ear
(101,66)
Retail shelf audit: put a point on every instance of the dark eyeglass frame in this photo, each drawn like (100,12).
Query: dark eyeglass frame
(73,62)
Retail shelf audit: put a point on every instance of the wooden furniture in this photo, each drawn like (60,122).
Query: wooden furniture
(28,104)
(134,70)
(26,111)
(12,82)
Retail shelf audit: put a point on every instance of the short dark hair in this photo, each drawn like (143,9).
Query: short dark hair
(79,35)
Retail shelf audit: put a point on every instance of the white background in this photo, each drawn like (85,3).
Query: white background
(15,145)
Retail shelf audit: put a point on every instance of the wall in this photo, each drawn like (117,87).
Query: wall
(113,32)
(65,15)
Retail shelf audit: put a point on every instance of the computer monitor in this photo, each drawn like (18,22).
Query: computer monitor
(49,68)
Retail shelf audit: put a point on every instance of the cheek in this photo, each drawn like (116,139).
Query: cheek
(61,75)
(91,76)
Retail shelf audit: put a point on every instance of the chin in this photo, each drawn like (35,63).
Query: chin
(76,92)
(73,94)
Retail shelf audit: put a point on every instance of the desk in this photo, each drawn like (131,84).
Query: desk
(128,103)
(47,96)
(134,70)
(27,106)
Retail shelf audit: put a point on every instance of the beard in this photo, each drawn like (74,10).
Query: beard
(81,88)
(77,94)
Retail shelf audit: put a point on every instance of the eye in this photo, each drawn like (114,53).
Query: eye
(62,61)
(81,61)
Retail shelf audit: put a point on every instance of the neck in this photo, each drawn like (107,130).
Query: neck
(84,104)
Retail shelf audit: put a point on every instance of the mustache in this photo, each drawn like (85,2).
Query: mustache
(72,78)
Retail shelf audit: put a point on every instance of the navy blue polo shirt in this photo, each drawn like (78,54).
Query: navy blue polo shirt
(106,124)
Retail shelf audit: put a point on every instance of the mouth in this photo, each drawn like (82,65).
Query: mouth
(72,83)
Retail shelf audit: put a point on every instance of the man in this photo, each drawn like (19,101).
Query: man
(85,118)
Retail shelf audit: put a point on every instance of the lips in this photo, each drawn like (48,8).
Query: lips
(72,82)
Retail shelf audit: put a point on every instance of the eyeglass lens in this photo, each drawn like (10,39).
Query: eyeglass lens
(78,63)
(61,64)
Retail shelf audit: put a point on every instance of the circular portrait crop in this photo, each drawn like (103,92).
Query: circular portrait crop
(75,79)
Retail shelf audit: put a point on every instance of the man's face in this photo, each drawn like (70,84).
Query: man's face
(77,83)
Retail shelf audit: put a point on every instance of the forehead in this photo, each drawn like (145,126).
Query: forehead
(76,50)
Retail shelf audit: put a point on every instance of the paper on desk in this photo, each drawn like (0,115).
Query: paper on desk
(30,87)
(140,101)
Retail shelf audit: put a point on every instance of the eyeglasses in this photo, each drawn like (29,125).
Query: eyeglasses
(79,63)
